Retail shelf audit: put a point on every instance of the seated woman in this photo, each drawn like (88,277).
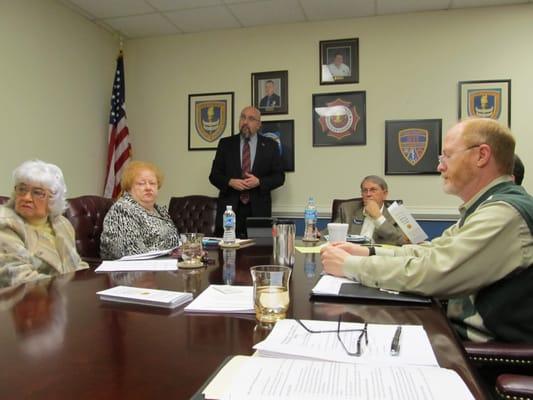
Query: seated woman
(36,241)
(135,224)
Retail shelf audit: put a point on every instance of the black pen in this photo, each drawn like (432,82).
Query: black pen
(395,345)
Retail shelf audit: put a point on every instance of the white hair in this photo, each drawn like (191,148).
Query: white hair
(37,172)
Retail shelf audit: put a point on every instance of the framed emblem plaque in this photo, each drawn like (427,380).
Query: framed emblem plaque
(282,132)
(339,119)
(210,119)
(486,99)
(412,146)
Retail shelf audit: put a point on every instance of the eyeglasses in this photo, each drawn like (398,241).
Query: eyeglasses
(36,193)
(363,333)
(370,190)
(248,118)
(443,158)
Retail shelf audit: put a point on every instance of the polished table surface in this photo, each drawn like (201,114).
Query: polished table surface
(58,341)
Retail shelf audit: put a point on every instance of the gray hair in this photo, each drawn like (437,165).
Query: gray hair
(37,172)
(377,180)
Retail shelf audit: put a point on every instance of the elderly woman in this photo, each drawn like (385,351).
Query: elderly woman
(135,224)
(36,241)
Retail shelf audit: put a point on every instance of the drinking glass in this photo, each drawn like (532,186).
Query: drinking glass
(271,292)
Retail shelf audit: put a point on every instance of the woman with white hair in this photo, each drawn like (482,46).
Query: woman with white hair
(36,241)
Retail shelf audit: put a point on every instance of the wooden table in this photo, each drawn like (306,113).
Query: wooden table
(58,341)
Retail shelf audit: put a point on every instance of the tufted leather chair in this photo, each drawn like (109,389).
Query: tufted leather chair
(194,213)
(86,213)
(3,199)
(337,203)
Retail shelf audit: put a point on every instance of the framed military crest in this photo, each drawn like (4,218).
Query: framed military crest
(210,119)
(486,99)
(282,132)
(412,146)
(339,119)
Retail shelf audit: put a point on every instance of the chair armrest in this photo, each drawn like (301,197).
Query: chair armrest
(500,353)
(509,386)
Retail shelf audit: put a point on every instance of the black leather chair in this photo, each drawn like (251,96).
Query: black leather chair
(3,199)
(195,213)
(510,386)
(87,213)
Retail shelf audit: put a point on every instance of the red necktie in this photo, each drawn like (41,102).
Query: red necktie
(246,161)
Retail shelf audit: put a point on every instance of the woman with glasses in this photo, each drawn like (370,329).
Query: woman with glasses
(135,224)
(36,241)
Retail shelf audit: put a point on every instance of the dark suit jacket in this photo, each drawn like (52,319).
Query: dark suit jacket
(275,101)
(267,166)
(351,212)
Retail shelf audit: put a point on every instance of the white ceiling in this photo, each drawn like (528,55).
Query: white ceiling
(143,18)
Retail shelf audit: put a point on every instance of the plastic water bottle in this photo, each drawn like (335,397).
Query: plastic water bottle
(229,221)
(310,217)
(228,268)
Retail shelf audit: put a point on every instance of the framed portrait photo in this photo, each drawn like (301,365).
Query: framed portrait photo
(283,133)
(339,61)
(412,146)
(270,92)
(210,119)
(339,119)
(486,99)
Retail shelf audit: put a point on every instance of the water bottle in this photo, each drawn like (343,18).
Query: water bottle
(229,225)
(228,268)
(310,217)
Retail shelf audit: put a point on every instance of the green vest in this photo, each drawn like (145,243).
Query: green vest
(506,306)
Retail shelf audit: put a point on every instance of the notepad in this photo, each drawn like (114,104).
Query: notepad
(145,296)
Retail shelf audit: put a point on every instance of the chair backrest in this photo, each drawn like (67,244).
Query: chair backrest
(86,213)
(337,203)
(3,199)
(194,213)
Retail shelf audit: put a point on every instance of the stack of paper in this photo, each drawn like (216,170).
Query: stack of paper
(289,339)
(162,264)
(150,297)
(149,255)
(224,299)
(407,223)
(260,378)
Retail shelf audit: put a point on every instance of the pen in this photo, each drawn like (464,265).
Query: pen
(388,291)
(395,345)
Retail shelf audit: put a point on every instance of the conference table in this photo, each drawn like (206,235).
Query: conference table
(59,341)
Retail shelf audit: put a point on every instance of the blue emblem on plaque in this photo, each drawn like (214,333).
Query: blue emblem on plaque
(485,103)
(210,119)
(413,143)
(276,137)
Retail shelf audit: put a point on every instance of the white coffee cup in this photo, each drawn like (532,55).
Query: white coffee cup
(337,232)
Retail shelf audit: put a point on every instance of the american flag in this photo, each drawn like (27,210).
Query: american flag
(118,143)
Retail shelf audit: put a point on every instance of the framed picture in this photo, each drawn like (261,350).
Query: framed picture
(412,146)
(486,99)
(210,119)
(339,61)
(339,119)
(283,133)
(270,92)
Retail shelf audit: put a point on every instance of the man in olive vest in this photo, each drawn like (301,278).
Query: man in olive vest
(484,262)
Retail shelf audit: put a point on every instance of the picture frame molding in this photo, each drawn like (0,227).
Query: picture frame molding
(290,160)
(324,61)
(258,79)
(504,84)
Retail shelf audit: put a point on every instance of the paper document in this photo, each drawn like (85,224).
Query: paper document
(407,223)
(310,249)
(145,296)
(329,285)
(147,256)
(261,378)
(224,299)
(162,264)
(290,340)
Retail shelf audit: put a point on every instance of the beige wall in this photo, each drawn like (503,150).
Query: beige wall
(58,68)
(56,75)
(409,68)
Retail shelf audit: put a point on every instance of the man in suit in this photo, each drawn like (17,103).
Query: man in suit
(271,99)
(246,168)
(369,216)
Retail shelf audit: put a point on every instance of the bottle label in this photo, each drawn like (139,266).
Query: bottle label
(229,221)
(310,214)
